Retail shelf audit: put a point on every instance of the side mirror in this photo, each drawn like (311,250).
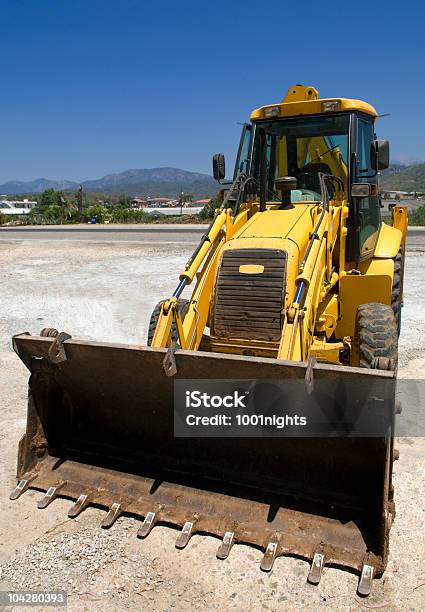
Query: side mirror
(380,154)
(219,166)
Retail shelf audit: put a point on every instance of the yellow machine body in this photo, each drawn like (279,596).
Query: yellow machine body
(333,294)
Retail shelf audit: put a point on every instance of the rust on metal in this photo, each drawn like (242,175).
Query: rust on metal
(269,555)
(21,487)
(309,376)
(114,512)
(81,503)
(316,568)
(185,534)
(101,425)
(51,494)
(365,583)
(148,524)
(226,545)
(57,353)
(169,364)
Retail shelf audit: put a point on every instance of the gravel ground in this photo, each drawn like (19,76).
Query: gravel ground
(106,292)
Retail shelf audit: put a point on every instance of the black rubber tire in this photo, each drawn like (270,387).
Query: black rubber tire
(375,343)
(397,290)
(182,306)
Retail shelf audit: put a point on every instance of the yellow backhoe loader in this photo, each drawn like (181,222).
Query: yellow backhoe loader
(296,279)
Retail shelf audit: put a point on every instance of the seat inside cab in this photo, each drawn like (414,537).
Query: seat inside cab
(301,151)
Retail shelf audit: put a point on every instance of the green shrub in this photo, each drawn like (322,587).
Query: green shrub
(128,215)
(51,214)
(417,217)
(209,209)
(100,212)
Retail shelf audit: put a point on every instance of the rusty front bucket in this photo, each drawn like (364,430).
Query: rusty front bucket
(100,430)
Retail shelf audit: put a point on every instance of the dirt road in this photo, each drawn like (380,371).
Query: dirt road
(106,291)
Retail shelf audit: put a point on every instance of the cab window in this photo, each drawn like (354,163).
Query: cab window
(369,213)
(244,152)
(304,148)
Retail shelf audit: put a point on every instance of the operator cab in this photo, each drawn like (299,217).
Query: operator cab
(302,148)
(287,146)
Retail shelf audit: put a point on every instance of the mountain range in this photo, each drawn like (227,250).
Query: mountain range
(167,182)
(170,182)
(404,178)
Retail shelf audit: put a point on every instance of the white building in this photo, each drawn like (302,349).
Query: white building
(403,195)
(16,207)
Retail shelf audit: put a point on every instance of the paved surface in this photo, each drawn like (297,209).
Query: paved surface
(106,291)
(152,233)
(416,238)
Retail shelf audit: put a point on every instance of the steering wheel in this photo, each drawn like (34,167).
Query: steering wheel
(303,184)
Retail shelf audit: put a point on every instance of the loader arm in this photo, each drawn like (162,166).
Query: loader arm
(317,276)
(197,314)
(202,265)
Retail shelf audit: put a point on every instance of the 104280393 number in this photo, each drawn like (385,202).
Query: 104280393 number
(33,598)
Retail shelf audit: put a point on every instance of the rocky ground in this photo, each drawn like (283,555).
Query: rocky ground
(106,292)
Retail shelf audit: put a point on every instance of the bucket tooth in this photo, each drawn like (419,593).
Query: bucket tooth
(365,582)
(269,557)
(49,496)
(185,535)
(226,545)
(79,506)
(316,568)
(114,512)
(20,488)
(148,524)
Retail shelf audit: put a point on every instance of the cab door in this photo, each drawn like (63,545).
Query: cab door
(368,211)
(243,159)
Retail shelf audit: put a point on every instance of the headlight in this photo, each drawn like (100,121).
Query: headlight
(330,106)
(272,111)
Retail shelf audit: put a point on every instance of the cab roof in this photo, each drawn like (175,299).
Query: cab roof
(305,100)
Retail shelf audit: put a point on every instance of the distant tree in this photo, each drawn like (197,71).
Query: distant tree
(54,207)
(124,201)
(79,203)
(100,212)
(51,197)
(68,210)
(397,197)
(209,209)
(417,217)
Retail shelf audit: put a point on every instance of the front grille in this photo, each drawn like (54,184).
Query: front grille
(249,305)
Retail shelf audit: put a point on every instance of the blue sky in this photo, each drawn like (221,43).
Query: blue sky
(90,87)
